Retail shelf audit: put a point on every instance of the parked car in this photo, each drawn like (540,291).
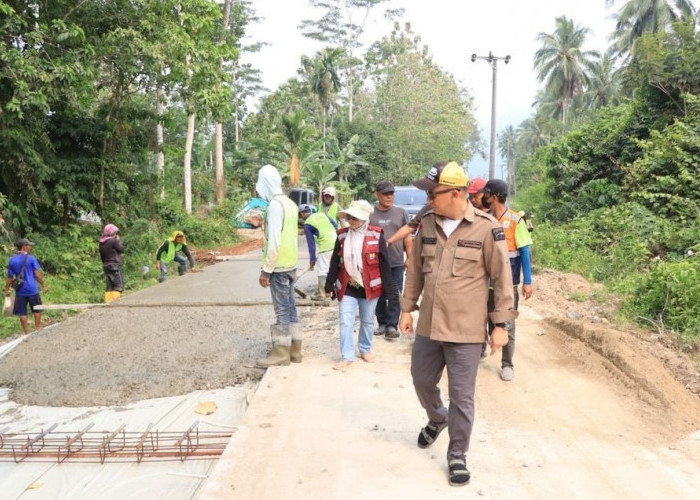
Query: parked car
(409,198)
(301,196)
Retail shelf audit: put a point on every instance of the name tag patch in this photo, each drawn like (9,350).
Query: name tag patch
(469,244)
(498,234)
(428,241)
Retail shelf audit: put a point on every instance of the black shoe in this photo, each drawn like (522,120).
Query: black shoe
(429,434)
(381,330)
(391,333)
(459,474)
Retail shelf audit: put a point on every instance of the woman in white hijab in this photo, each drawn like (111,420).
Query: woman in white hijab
(359,270)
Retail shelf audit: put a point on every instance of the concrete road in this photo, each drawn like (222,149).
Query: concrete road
(231,281)
(561,429)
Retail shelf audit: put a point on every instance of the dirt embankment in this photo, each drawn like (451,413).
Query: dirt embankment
(565,299)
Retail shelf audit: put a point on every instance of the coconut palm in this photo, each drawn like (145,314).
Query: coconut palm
(561,63)
(604,86)
(533,133)
(323,79)
(507,141)
(637,17)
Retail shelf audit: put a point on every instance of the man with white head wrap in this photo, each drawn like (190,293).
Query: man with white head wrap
(279,262)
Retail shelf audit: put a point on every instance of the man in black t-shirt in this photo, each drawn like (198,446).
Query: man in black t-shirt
(390,218)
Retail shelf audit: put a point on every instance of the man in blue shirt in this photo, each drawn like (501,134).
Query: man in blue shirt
(27,267)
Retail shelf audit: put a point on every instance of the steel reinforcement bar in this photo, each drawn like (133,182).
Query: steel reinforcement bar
(115,446)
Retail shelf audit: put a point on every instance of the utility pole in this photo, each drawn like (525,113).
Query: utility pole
(492,60)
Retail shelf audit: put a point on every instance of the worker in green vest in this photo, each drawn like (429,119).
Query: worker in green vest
(279,263)
(170,251)
(330,207)
(319,230)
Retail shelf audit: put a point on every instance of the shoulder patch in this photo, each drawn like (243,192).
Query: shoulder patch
(469,244)
(429,241)
(498,234)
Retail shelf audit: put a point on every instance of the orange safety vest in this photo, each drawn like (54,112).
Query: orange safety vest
(371,274)
(509,221)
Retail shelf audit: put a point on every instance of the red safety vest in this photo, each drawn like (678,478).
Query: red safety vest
(371,275)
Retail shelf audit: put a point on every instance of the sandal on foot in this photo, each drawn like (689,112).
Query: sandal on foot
(459,474)
(429,434)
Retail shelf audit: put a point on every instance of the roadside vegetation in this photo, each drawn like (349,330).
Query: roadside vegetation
(615,185)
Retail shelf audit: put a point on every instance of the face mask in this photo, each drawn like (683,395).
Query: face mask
(486,202)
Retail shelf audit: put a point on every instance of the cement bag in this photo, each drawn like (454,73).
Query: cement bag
(8,306)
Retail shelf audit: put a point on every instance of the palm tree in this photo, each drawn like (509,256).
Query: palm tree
(533,133)
(550,106)
(296,131)
(323,78)
(603,83)
(507,141)
(637,17)
(561,62)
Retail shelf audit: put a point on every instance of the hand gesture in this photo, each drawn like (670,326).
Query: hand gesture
(499,338)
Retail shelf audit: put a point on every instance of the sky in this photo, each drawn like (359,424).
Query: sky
(453,30)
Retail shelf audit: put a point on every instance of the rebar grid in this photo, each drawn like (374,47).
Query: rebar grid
(117,446)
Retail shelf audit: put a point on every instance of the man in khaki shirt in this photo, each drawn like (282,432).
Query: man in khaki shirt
(457,251)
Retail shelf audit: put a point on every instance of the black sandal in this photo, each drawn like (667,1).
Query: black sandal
(429,434)
(459,474)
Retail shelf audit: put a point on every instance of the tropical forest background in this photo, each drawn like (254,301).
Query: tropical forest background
(140,113)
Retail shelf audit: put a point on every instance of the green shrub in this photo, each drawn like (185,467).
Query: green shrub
(567,248)
(670,293)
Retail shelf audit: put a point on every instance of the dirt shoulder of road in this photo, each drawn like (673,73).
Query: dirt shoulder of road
(568,302)
(252,240)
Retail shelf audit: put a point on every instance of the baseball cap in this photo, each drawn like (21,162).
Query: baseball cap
(329,190)
(495,186)
(476,184)
(447,174)
(384,187)
(22,242)
(305,207)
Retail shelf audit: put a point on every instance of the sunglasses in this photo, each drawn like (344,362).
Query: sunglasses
(433,194)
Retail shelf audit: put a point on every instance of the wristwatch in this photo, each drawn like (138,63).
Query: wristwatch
(506,325)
